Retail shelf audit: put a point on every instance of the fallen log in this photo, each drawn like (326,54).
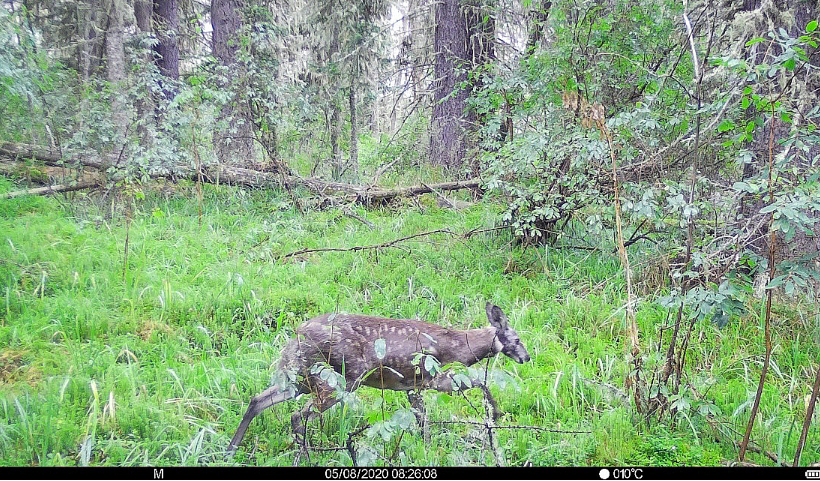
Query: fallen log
(242,176)
(382,194)
(52,189)
(44,175)
(49,157)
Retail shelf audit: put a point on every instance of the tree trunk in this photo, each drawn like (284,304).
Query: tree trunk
(447,146)
(234,142)
(85,21)
(374,119)
(143,11)
(463,41)
(115,67)
(335,148)
(354,131)
(85,24)
(793,16)
(166,14)
(539,14)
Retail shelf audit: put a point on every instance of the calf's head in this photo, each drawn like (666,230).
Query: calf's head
(511,344)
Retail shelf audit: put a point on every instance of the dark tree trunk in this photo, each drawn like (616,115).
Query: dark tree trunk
(480,51)
(798,14)
(142,14)
(234,143)
(538,19)
(447,146)
(463,41)
(166,14)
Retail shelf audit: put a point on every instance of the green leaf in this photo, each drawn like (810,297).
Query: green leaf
(768,208)
(776,282)
(789,63)
(789,288)
(753,41)
(811,26)
(380,346)
(726,125)
(430,364)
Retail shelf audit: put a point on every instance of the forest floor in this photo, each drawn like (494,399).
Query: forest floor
(154,363)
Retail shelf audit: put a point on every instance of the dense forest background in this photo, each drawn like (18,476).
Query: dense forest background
(636,183)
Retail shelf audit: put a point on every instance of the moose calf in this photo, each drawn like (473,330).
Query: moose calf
(377,352)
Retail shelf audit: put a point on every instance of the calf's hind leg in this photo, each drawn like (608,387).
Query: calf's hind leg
(324,398)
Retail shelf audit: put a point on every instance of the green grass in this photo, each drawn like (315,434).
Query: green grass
(154,364)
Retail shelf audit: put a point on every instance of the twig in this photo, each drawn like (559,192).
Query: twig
(392,243)
(583,248)
(632,239)
(351,450)
(767,333)
(441,197)
(368,247)
(635,350)
(807,421)
(381,170)
(533,428)
(349,212)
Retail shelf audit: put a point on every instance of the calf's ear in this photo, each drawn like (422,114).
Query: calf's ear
(496,316)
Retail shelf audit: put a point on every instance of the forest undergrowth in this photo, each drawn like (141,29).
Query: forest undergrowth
(152,361)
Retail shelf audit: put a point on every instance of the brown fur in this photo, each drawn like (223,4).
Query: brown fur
(347,343)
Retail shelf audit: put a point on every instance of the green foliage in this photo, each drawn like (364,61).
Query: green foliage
(554,169)
(35,91)
(666,450)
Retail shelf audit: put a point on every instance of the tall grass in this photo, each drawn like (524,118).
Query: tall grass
(156,367)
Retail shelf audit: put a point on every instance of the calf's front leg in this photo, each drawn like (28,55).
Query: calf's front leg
(417,403)
(444,383)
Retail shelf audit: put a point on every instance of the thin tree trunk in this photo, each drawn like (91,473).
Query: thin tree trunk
(807,420)
(539,15)
(85,19)
(335,148)
(374,120)
(354,131)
